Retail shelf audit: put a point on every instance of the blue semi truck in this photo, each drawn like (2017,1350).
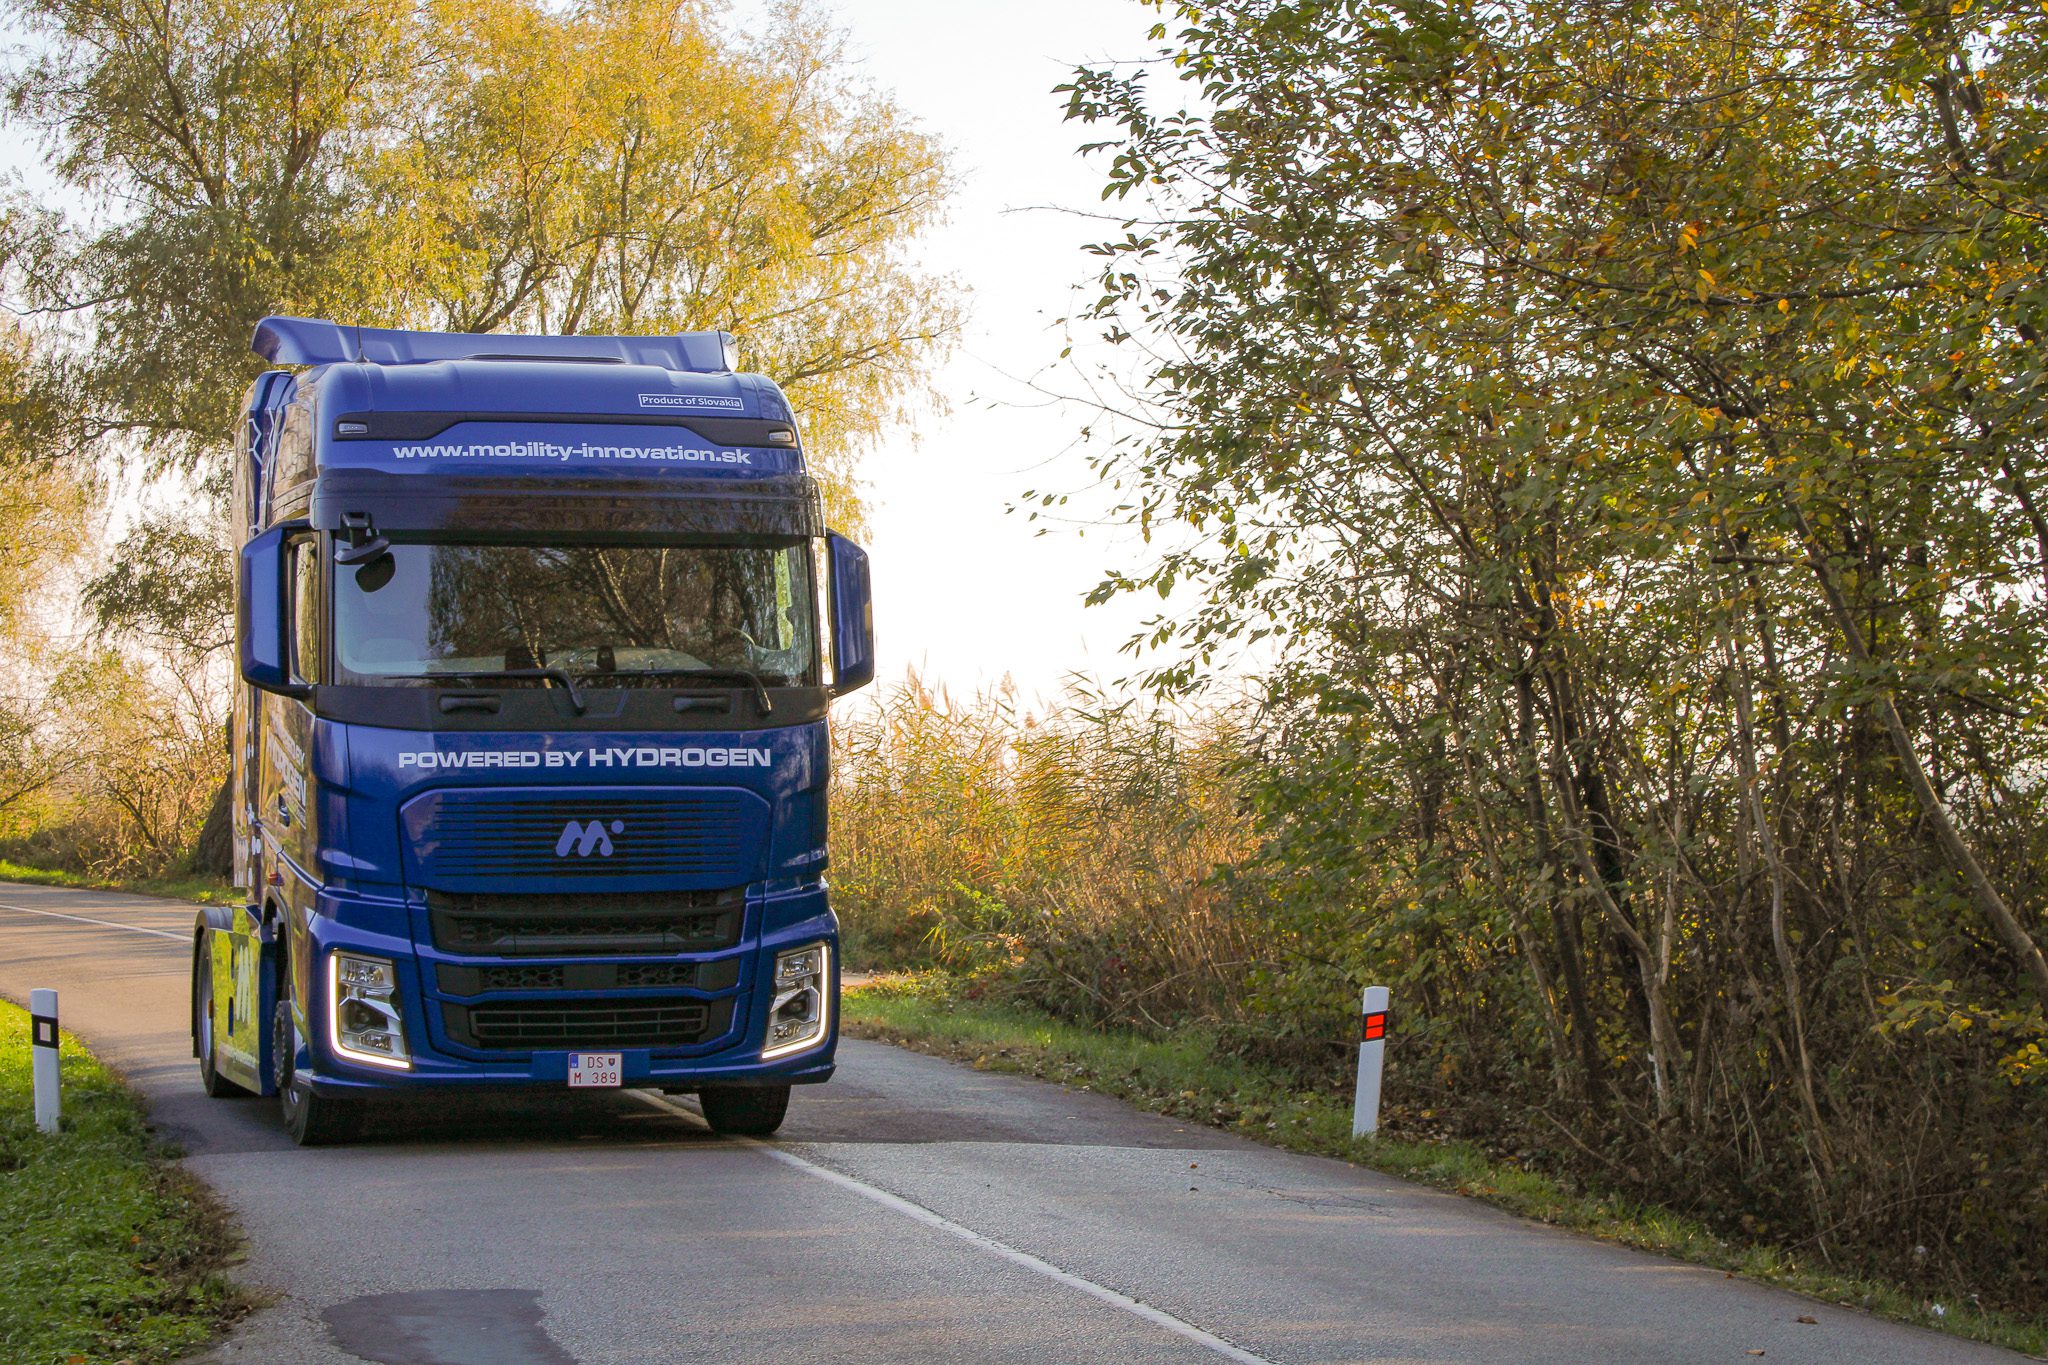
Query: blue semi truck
(536,637)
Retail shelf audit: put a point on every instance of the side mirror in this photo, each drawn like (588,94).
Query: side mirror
(853,617)
(263,613)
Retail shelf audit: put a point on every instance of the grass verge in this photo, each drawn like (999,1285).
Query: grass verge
(1186,1077)
(108,1253)
(205,890)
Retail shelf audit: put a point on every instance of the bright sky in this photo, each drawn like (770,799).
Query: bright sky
(964,592)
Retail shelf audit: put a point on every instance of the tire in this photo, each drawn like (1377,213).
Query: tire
(744,1110)
(211,1081)
(312,1120)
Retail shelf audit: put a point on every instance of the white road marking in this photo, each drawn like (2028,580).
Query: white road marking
(103,923)
(919,1213)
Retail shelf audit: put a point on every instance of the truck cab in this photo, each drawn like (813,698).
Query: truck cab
(536,638)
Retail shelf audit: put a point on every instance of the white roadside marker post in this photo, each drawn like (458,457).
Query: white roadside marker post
(1372,1058)
(42,1014)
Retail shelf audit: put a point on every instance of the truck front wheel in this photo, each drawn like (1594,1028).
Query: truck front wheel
(312,1120)
(744,1110)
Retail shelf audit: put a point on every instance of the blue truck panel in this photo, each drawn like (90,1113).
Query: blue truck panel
(530,752)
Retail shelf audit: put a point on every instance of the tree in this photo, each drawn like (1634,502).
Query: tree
(217,143)
(1629,420)
(42,524)
(170,584)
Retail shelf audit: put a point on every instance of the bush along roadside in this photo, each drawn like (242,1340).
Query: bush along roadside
(1185,1074)
(108,1252)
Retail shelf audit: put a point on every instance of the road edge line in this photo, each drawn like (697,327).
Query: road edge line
(103,923)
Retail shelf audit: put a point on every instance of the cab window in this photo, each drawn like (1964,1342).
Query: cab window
(306,634)
(294,464)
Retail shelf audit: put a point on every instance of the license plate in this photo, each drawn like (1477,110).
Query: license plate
(590,1069)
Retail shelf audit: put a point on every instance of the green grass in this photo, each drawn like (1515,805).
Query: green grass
(107,1251)
(205,890)
(1186,1077)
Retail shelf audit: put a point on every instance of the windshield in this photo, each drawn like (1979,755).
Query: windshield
(434,611)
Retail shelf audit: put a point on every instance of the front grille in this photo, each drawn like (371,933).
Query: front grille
(489,840)
(547,1026)
(481,979)
(677,974)
(588,976)
(562,926)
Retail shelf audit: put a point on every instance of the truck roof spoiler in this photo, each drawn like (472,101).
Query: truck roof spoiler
(314,341)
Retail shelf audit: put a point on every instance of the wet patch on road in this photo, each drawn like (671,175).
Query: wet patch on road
(446,1327)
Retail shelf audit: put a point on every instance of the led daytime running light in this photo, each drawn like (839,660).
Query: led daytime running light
(800,975)
(372,983)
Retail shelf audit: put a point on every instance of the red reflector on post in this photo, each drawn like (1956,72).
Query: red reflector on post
(1375,1026)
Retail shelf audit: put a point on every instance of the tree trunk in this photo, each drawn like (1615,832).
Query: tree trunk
(214,853)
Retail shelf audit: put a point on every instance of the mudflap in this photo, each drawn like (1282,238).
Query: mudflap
(268,956)
(244,981)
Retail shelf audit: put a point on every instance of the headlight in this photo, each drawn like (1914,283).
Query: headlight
(801,1011)
(362,1011)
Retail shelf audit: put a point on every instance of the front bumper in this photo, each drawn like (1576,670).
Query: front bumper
(395,931)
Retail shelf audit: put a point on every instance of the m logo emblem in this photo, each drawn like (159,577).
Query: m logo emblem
(584,840)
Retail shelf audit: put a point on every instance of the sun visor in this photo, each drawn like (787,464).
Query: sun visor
(316,341)
(553,507)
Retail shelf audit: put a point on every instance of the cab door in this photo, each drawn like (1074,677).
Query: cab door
(283,806)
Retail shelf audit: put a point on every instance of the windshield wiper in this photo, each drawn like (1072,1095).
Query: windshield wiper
(554,675)
(739,675)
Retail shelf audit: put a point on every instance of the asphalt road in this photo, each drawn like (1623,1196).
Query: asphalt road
(910,1211)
